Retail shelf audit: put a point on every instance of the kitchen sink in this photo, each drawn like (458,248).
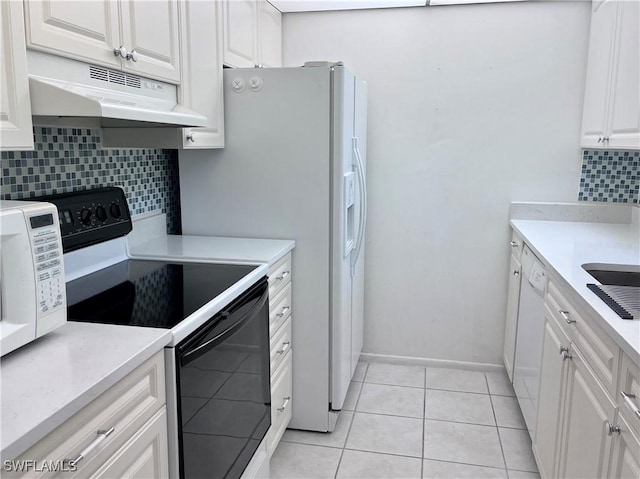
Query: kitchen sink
(614,274)
(619,287)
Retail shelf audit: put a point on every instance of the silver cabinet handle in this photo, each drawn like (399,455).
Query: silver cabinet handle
(102,435)
(514,244)
(283,311)
(516,272)
(284,404)
(564,352)
(283,275)
(285,346)
(133,55)
(611,429)
(191,137)
(121,51)
(565,315)
(628,400)
(599,139)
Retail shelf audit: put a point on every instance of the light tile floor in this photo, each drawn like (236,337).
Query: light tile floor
(414,422)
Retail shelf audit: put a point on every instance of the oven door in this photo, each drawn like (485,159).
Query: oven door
(223,389)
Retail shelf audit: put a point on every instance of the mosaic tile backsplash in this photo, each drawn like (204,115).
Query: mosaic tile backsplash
(69,159)
(610,176)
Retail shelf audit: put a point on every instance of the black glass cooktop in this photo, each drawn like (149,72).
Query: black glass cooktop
(154,294)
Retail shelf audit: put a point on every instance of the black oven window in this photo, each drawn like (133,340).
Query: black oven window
(225,393)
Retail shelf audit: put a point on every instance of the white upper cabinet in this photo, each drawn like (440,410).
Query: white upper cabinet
(611,115)
(252,34)
(269,35)
(240,27)
(15,107)
(150,30)
(201,85)
(144,33)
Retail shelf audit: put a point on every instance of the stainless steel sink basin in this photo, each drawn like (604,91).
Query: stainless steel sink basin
(619,287)
(614,274)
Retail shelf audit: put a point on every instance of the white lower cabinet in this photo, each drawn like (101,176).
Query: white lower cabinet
(625,460)
(280,324)
(583,429)
(589,412)
(553,374)
(122,433)
(144,455)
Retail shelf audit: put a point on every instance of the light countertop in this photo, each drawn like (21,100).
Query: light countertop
(565,246)
(49,380)
(214,248)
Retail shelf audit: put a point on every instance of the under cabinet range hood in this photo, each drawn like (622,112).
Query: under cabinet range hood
(64,90)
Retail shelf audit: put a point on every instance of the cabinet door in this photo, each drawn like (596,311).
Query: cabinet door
(240,29)
(625,462)
(201,83)
(511,323)
(586,446)
(269,35)
(16,131)
(87,31)
(150,28)
(553,375)
(145,455)
(624,112)
(599,65)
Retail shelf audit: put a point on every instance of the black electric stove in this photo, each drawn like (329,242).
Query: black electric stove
(219,409)
(154,294)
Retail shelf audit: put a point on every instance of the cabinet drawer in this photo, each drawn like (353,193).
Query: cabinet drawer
(517,244)
(280,345)
(600,351)
(126,407)
(630,385)
(279,309)
(281,388)
(279,275)
(145,455)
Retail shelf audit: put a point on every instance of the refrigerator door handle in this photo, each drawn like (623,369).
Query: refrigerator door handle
(363,206)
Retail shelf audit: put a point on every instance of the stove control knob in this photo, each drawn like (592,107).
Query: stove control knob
(85,216)
(115,211)
(101,213)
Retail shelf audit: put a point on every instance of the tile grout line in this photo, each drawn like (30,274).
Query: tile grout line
(353,417)
(493,410)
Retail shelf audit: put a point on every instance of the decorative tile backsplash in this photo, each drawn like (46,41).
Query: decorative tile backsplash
(69,159)
(610,176)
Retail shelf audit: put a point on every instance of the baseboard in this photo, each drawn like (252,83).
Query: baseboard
(434,363)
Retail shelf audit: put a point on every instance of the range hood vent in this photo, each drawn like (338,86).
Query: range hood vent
(63,89)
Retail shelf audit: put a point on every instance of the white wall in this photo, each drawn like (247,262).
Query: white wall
(470,107)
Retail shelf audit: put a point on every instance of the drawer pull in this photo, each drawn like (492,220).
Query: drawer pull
(284,404)
(516,272)
(285,346)
(283,311)
(283,275)
(566,317)
(514,244)
(102,435)
(628,400)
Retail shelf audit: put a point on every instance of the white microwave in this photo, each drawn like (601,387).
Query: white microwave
(32,283)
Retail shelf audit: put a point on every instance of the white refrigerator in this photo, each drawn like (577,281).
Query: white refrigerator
(293,167)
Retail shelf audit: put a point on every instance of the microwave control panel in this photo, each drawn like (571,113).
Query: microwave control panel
(47,251)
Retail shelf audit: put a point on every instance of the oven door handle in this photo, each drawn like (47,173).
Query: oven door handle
(196,352)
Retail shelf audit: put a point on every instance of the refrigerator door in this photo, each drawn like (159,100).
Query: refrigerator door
(345,217)
(357,256)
